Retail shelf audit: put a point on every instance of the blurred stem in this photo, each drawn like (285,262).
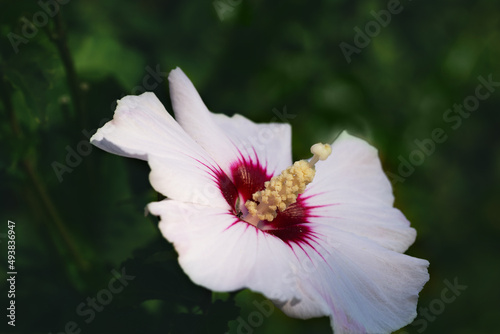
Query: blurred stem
(54,214)
(59,39)
(34,177)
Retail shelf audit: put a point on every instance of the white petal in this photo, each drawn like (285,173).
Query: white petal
(351,192)
(355,167)
(180,169)
(228,139)
(270,142)
(222,255)
(365,287)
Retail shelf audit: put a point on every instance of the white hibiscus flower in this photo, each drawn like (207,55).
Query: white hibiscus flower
(320,239)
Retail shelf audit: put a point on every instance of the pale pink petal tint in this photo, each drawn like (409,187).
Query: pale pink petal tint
(337,251)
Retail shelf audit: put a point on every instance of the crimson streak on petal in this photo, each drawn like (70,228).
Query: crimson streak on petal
(291,225)
(249,177)
(224,183)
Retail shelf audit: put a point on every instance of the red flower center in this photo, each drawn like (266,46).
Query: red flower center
(248,177)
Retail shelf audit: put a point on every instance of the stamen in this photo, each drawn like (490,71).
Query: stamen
(282,190)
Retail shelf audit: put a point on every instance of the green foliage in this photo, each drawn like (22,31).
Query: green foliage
(81,215)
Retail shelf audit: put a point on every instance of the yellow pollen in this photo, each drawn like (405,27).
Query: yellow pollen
(282,190)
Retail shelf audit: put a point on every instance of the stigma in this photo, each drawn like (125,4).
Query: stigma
(282,191)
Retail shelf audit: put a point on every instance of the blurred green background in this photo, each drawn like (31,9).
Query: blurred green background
(79,211)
